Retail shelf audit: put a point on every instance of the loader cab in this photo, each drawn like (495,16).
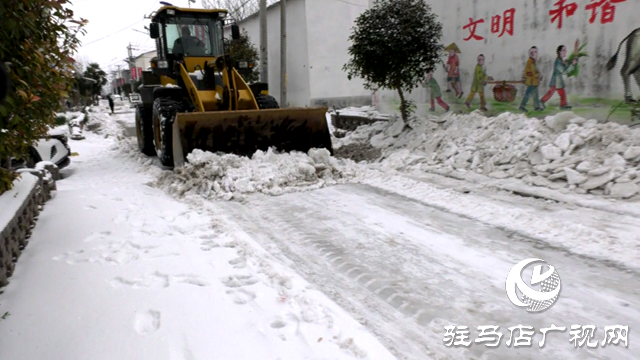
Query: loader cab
(186,33)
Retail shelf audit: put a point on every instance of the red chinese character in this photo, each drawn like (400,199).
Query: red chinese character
(495,24)
(507,26)
(472,29)
(562,11)
(608,10)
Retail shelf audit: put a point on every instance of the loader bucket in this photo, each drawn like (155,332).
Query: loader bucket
(243,132)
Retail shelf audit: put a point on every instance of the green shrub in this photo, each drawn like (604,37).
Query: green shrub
(61,120)
(38,40)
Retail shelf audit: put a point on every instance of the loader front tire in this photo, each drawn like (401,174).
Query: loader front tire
(164,113)
(267,102)
(144,131)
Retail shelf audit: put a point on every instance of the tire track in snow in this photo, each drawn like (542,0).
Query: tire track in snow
(403,269)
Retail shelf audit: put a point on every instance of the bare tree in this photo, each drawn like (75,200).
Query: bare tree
(238,9)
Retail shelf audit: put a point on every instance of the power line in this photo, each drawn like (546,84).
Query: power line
(123,29)
(119,31)
(350,3)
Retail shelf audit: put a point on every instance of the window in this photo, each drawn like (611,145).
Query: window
(194,36)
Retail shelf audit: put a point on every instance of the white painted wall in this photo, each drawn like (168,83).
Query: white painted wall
(506,56)
(317,48)
(329,26)
(298,89)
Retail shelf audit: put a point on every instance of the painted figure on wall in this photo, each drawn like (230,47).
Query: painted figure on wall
(560,68)
(480,79)
(453,69)
(436,94)
(532,79)
(631,64)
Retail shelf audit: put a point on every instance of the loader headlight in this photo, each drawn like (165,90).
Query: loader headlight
(171,12)
(163,64)
(243,65)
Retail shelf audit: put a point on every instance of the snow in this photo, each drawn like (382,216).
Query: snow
(13,199)
(540,152)
(318,257)
(230,176)
(128,272)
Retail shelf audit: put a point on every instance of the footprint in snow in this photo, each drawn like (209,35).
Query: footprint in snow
(241,296)
(239,262)
(147,322)
(191,280)
(120,257)
(72,257)
(278,324)
(208,245)
(98,235)
(239,280)
(158,280)
(207,236)
(153,281)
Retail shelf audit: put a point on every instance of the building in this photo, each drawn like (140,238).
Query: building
(503,31)
(144,60)
(141,63)
(317,44)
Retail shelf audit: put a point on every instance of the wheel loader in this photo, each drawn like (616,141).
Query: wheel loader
(194,96)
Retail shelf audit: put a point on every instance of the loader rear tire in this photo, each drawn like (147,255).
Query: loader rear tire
(144,131)
(267,102)
(164,113)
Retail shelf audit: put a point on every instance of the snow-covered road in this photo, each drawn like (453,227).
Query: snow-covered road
(348,271)
(408,270)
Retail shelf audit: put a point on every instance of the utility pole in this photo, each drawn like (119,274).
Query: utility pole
(283,53)
(132,65)
(264,54)
(118,88)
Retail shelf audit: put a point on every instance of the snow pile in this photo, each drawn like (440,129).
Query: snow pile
(365,111)
(560,152)
(230,176)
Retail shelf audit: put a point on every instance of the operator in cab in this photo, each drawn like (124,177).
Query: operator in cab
(188,44)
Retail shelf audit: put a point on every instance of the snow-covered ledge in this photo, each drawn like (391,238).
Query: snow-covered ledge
(20,207)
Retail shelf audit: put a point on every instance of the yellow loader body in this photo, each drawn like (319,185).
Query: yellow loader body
(247,129)
(197,98)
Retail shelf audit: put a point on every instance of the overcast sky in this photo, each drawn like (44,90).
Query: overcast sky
(107,39)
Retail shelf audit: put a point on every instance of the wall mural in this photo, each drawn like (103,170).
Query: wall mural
(631,64)
(542,92)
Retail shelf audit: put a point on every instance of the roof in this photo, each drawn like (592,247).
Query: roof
(144,53)
(187,10)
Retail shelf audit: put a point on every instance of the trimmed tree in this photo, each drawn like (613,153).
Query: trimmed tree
(394,45)
(38,39)
(244,50)
(98,75)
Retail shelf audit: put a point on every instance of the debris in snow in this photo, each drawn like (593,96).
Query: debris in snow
(624,190)
(230,176)
(551,152)
(633,152)
(556,152)
(358,152)
(574,177)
